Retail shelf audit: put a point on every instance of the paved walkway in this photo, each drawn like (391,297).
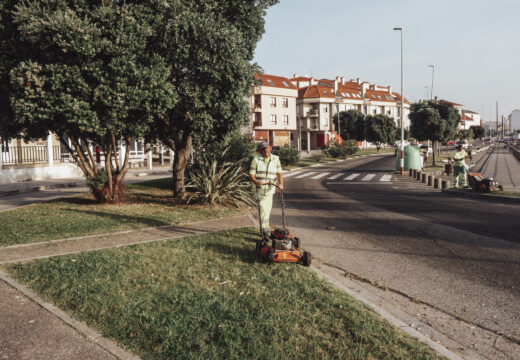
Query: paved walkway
(38,330)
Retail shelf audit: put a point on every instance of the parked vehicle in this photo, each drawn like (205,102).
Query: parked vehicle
(426,148)
(464,144)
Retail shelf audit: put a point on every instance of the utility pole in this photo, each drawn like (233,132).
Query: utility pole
(433,72)
(497,121)
(400,29)
(502,126)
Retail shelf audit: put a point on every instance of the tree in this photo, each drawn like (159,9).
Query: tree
(478,131)
(352,125)
(83,70)
(433,120)
(209,46)
(380,129)
(465,134)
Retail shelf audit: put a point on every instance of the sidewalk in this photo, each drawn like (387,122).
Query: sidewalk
(133,175)
(34,329)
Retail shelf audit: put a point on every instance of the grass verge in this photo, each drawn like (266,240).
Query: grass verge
(149,204)
(210,297)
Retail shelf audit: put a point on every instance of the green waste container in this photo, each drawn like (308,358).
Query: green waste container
(412,158)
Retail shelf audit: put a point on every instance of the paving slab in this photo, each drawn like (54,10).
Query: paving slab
(96,242)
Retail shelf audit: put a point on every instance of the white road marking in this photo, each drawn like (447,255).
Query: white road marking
(386,178)
(351,177)
(305,174)
(319,176)
(292,174)
(335,176)
(368,177)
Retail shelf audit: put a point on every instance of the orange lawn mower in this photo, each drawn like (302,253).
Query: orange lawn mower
(284,246)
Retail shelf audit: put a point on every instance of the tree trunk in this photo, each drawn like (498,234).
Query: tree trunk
(182,154)
(434,152)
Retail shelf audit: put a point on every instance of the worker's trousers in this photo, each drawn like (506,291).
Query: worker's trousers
(459,172)
(266,204)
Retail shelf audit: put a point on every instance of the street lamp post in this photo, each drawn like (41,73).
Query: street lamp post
(433,71)
(402,108)
(338,99)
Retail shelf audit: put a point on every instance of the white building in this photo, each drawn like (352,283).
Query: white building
(320,99)
(273,110)
(514,120)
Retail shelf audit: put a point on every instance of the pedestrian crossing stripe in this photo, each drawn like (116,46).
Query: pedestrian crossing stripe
(292,174)
(319,176)
(361,178)
(333,177)
(305,174)
(351,177)
(368,177)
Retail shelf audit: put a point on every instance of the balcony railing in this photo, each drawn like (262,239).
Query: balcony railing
(14,155)
(313,113)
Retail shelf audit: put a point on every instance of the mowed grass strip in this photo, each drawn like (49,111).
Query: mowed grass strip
(148,204)
(211,297)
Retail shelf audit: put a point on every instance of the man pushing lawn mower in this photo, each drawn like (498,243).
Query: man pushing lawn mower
(265,169)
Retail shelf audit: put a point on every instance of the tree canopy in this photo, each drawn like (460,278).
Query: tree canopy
(84,71)
(433,120)
(478,131)
(95,72)
(209,45)
(352,124)
(380,129)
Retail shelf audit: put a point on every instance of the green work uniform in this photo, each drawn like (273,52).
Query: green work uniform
(459,171)
(265,170)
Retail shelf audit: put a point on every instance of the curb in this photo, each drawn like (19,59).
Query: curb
(479,196)
(27,189)
(400,324)
(90,334)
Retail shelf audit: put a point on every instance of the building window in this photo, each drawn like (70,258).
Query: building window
(258,119)
(285,102)
(273,119)
(272,101)
(375,111)
(325,109)
(285,119)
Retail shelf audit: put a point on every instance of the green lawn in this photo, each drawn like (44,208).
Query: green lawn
(210,297)
(149,204)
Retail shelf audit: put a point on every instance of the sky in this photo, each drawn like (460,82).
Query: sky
(474,46)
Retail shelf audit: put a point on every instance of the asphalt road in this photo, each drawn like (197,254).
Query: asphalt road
(461,256)
(503,167)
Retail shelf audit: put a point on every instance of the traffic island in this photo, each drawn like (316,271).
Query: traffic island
(210,296)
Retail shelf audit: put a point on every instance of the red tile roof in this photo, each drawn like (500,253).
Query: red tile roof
(452,103)
(275,81)
(300,78)
(315,91)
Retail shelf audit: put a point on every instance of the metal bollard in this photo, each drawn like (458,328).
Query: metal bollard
(445,184)
(430,180)
(436,183)
(423,177)
(414,172)
(418,178)
(410,172)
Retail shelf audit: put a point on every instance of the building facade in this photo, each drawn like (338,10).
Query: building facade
(273,110)
(320,99)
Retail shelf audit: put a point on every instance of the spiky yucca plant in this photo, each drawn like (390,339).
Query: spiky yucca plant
(216,182)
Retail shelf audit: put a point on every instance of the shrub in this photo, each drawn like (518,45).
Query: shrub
(217,182)
(351,146)
(336,150)
(288,155)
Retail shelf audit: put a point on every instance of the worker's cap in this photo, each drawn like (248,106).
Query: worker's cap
(263,145)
